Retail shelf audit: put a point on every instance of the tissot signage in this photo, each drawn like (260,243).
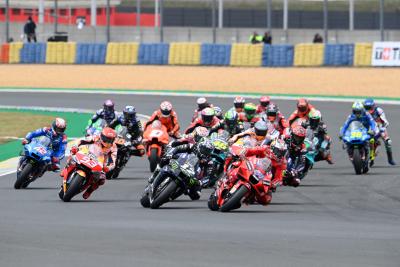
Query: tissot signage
(386,54)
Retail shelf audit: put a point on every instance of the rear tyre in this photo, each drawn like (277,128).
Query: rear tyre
(145,200)
(234,202)
(164,196)
(23,176)
(74,187)
(357,161)
(153,159)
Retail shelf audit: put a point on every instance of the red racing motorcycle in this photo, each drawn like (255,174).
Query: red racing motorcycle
(247,180)
(82,169)
(155,138)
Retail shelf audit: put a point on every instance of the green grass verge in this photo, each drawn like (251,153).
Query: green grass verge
(76,123)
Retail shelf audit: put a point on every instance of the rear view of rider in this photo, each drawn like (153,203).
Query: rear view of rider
(321,132)
(129,119)
(275,117)
(58,141)
(207,120)
(167,116)
(109,150)
(107,113)
(202,103)
(378,115)
(265,101)
(230,123)
(302,111)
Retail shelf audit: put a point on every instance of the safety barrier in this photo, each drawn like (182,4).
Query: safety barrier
(362,55)
(243,55)
(215,54)
(184,54)
(122,53)
(33,53)
(14,55)
(4,53)
(278,55)
(91,53)
(153,54)
(246,55)
(338,55)
(60,53)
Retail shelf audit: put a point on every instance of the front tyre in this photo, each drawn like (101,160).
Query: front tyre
(357,161)
(164,195)
(74,187)
(234,201)
(23,176)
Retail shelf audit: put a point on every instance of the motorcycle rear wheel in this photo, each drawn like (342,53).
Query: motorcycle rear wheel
(23,176)
(153,159)
(212,202)
(74,187)
(163,197)
(234,201)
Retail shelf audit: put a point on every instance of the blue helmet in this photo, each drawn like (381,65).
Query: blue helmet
(129,112)
(369,104)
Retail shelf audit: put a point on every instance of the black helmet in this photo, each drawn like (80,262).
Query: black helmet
(129,112)
(261,128)
(205,148)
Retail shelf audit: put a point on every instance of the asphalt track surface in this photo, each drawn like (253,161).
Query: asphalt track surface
(334,218)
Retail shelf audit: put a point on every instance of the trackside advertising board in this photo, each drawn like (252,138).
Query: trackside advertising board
(386,54)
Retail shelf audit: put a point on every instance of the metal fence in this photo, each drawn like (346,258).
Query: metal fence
(281,15)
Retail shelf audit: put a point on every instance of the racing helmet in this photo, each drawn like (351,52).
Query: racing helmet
(265,101)
(205,148)
(298,134)
(165,108)
(108,106)
(129,113)
(231,119)
(302,106)
(314,118)
(202,103)
(278,149)
(58,126)
(218,112)
(369,104)
(107,137)
(239,102)
(250,109)
(358,109)
(260,129)
(207,115)
(272,112)
(199,133)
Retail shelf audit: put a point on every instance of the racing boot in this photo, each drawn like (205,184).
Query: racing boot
(388,146)
(329,159)
(92,188)
(195,189)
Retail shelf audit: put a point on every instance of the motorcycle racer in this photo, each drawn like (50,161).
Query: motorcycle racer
(134,127)
(58,141)
(230,123)
(168,117)
(107,113)
(105,141)
(249,115)
(202,103)
(265,101)
(207,120)
(275,117)
(296,153)
(302,111)
(378,115)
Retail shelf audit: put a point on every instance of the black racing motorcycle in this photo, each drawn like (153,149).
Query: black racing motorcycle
(124,144)
(172,180)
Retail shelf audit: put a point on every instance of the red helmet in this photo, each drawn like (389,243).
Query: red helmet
(107,137)
(239,102)
(166,108)
(298,134)
(302,106)
(265,101)
(58,126)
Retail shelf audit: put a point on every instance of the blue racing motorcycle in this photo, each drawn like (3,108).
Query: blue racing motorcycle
(357,140)
(37,156)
